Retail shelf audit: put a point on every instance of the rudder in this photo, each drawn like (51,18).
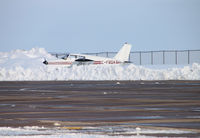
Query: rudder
(123,54)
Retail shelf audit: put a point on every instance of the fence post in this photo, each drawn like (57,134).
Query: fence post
(140,58)
(151,57)
(176,57)
(106,54)
(188,56)
(163,57)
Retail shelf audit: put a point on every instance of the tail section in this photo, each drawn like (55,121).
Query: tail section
(123,54)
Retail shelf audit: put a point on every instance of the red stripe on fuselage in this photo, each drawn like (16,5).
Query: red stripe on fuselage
(107,62)
(59,63)
(95,62)
(98,62)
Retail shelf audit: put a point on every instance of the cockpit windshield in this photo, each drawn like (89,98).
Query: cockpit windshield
(65,56)
(76,57)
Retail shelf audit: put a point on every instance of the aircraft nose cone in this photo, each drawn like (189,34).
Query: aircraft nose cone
(45,62)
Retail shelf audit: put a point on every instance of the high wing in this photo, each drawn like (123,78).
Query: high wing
(82,59)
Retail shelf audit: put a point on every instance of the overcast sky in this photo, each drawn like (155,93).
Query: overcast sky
(99,25)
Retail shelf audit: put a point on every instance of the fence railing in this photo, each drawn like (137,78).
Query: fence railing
(154,57)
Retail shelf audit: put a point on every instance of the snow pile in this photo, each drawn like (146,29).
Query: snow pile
(27,65)
(40,132)
(24,59)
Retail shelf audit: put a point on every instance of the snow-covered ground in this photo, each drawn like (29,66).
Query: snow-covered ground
(41,132)
(27,65)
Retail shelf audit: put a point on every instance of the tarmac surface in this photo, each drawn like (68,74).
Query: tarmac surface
(156,105)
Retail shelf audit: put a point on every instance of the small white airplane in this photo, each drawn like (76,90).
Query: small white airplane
(81,59)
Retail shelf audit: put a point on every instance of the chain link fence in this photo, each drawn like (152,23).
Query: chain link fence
(167,57)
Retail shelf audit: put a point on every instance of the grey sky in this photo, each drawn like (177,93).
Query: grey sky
(99,25)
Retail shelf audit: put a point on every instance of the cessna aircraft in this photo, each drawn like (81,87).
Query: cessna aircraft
(81,59)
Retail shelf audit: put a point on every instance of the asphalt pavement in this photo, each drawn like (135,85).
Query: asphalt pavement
(126,104)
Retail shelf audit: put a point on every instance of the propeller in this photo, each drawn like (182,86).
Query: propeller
(45,62)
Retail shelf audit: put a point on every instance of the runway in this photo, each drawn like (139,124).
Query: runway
(115,104)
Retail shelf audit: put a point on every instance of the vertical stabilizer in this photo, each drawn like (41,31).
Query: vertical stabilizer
(123,54)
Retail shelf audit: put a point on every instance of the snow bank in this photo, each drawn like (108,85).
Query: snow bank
(42,132)
(36,132)
(27,65)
